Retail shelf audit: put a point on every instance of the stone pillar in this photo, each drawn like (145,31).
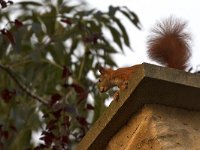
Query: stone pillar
(160,110)
(158,127)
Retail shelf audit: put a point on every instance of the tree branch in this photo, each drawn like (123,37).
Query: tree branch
(22,87)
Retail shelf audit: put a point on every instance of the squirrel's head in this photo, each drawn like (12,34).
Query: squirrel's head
(105,79)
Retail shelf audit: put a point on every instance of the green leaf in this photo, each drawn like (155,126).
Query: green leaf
(124,33)
(25,3)
(66,9)
(106,46)
(4,45)
(94,27)
(82,14)
(103,19)
(112,10)
(116,36)
(50,78)
(73,45)
(60,2)
(22,140)
(132,17)
(99,106)
(136,19)
(60,32)
(57,52)
(49,19)
(37,28)
(87,13)
(89,62)
(108,59)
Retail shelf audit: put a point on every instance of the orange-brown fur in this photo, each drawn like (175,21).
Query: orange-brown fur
(110,78)
(169,45)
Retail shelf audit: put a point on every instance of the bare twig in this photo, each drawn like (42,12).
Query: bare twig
(23,87)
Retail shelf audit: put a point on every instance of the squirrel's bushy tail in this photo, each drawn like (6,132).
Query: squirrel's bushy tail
(169,44)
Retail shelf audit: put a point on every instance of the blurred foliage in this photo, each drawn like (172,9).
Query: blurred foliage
(49,57)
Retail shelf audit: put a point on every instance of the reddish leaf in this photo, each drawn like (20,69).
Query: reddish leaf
(54,98)
(67,21)
(7,95)
(55,147)
(51,125)
(90,107)
(66,72)
(3,31)
(92,38)
(66,121)
(40,147)
(57,113)
(82,94)
(1,126)
(78,88)
(48,137)
(82,120)
(5,134)
(65,139)
(66,85)
(18,23)
(13,128)
(9,35)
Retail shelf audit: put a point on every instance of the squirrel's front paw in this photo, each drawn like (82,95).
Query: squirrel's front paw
(124,85)
(116,96)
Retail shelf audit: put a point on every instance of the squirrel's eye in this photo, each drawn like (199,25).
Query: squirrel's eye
(99,80)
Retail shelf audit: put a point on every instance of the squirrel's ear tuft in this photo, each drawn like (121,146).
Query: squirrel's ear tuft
(102,70)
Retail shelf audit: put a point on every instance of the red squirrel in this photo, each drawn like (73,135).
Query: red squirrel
(168,44)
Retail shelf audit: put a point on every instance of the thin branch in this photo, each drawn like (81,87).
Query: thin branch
(23,87)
